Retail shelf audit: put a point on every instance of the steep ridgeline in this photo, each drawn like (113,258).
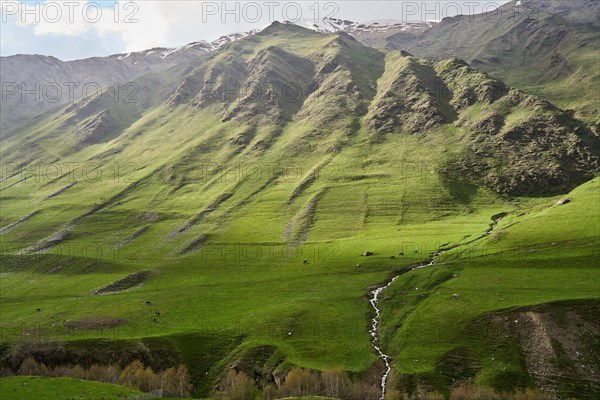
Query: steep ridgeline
(329,83)
(512,142)
(93,120)
(40,76)
(45,82)
(374,34)
(547,48)
(22,72)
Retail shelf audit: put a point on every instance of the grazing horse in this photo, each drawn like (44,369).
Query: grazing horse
(148,303)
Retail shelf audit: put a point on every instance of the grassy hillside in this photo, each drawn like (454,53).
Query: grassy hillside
(229,230)
(547,48)
(536,255)
(29,387)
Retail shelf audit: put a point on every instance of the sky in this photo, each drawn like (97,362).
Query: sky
(72,29)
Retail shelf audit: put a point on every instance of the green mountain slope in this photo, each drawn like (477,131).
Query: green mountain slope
(548,48)
(237,197)
(535,255)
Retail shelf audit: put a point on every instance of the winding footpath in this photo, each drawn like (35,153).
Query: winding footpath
(376,295)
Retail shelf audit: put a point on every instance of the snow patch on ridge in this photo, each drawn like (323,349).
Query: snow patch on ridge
(325,25)
(331,25)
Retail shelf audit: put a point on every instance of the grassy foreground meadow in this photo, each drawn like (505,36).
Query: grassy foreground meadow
(247,235)
(29,387)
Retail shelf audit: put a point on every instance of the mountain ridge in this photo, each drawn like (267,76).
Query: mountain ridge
(540,46)
(122,68)
(343,81)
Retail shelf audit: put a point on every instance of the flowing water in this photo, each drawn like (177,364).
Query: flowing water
(375,296)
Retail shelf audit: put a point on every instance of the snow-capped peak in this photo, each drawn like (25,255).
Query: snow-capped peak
(330,25)
(326,25)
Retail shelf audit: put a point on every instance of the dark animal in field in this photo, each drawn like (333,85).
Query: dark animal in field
(401,254)
(38,309)
(367,254)
(305,262)
(157,313)
(393,257)
(148,303)
(155,320)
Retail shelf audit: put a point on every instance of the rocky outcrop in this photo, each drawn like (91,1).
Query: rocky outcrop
(525,146)
(411,98)
(97,129)
(275,87)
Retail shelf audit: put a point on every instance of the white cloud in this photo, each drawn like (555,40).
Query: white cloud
(138,25)
(59,17)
